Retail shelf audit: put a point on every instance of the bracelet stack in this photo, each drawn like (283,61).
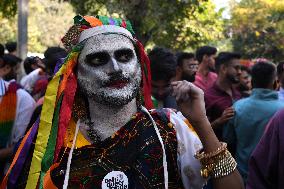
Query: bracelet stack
(216,164)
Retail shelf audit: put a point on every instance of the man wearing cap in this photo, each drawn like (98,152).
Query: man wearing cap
(96,129)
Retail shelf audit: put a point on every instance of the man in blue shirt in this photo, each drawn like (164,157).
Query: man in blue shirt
(252,114)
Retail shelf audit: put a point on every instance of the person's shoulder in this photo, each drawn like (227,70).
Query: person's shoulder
(276,123)
(241,105)
(24,95)
(279,115)
(242,101)
(211,91)
(279,104)
(212,75)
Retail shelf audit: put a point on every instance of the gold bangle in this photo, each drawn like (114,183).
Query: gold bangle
(224,166)
(202,155)
(218,166)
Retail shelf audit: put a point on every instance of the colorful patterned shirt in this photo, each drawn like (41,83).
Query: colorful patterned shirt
(133,157)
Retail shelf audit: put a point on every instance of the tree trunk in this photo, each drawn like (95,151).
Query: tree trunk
(22,49)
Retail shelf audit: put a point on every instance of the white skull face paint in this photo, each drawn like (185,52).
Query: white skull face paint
(108,69)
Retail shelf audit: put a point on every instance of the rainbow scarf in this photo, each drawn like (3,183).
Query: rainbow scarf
(58,103)
(7,114)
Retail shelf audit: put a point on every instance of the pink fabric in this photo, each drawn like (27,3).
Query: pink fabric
(205,82)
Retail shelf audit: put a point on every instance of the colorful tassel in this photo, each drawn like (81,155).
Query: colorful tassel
(146,76)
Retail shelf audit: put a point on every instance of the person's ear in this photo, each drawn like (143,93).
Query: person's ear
(205,58)
(178,73)
(178,69)
(223,68)
(276,85)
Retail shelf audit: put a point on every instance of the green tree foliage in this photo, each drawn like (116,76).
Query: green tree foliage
(7,29)
(47,23)
(8,8)
(257,28)
(177,24)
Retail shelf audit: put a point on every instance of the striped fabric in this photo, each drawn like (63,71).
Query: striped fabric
(8,106)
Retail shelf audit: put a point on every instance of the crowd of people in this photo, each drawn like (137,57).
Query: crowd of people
(240,99)
(118,113)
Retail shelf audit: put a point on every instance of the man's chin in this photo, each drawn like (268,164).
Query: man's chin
(115,96)
(111,101)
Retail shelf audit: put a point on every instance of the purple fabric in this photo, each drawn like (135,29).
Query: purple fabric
(216,101)
(111,21)
(59,63)
(16,171)
(266,166)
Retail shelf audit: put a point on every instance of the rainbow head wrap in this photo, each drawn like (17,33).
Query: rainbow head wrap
(59,98)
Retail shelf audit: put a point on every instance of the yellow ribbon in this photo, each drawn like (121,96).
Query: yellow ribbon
(44,129)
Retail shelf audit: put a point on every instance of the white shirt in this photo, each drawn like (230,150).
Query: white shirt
(24,111)
(188,144)
(28,81)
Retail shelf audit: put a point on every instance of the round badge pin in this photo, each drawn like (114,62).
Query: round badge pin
(115,180)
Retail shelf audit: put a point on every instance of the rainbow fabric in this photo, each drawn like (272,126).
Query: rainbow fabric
(58,101)
(8,106)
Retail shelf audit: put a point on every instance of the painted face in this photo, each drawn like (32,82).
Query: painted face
(108,70)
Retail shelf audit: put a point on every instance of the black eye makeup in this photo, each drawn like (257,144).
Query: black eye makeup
(123,55)
(97,59)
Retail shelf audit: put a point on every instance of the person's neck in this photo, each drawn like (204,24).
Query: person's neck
(108,119)
(203,69)
(225,85)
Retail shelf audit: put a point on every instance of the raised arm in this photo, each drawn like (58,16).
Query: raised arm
(215,156)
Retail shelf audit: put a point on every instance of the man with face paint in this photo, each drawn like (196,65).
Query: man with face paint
(96,129)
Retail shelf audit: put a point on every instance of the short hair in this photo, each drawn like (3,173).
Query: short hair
(263,74)
(181,56)
(11,60)
(247,69)
(163,64)
(11,46)
(28,62)
(2,50)
(50,51)
(205,50)
(52,56)
(280,68)
(224,58)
